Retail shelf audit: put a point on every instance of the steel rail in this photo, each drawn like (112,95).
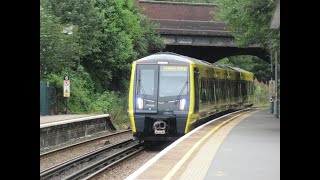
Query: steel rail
(60,168)
(103,164)
(83,142)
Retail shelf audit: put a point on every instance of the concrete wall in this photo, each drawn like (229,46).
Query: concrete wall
(52,135)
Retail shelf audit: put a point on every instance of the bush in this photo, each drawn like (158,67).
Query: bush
(113,103)
(261,94)
(83,100)
(80,90)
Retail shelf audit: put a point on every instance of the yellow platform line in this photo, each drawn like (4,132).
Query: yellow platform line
(199,166)
(194,147)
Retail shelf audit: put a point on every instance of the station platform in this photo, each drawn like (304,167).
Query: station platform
(240,145)
(60,130)
(62,117)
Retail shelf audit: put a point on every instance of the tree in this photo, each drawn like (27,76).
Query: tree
(57,51)
(260,68)
(249,22)
(189,1)
(111,34)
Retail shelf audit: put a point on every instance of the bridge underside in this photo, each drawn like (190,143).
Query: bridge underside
(191,29)
(213,54)
(207,41)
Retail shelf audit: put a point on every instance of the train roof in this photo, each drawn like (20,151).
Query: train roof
(230,67)
(165,56)
(180,59)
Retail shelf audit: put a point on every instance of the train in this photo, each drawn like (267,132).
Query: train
(171,94)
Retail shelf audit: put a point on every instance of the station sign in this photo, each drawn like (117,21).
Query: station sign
(66,87)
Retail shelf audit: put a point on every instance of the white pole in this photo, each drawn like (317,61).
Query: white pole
(276,84)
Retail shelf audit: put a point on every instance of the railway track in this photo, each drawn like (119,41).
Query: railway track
(66,148)
(93,163)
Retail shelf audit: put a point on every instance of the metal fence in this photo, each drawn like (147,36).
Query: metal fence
(49,98)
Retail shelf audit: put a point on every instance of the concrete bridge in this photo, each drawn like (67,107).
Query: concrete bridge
(191,29)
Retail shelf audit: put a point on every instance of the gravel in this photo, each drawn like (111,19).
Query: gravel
(124,169)
(85,164)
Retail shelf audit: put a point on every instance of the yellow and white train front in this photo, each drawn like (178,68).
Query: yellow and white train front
(159,100)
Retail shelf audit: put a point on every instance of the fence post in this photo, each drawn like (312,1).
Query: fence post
(44,103)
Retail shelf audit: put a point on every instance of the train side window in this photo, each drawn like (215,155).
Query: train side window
(236,89)
(211,90)
(217,90)
(229,90)
(207,91)
(196,90)
(201,90)
(214,91)
(239,89)
(223,90)
(204,89)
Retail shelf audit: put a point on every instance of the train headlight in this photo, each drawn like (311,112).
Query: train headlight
(140,103)
(182,104)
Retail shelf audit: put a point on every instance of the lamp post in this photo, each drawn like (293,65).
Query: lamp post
(276,86)
(66,88)
(275,24)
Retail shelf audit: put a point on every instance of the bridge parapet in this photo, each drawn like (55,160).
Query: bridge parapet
(177,10)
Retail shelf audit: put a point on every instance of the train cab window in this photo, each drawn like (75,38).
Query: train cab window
(147,77)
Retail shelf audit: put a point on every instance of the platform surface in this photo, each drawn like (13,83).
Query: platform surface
(251,151)
(246,147)
(62,117)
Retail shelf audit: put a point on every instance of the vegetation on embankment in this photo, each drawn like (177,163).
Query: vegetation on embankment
(94,43)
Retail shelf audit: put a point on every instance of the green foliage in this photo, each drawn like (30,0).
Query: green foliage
(106,37)
(249,22)
(189,1)
(261,94)
(112,35)
(83,100)
(57,50)
(80,87)
(114,104)
(260,68)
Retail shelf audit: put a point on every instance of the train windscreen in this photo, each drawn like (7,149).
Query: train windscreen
(173,80)
(158,86)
